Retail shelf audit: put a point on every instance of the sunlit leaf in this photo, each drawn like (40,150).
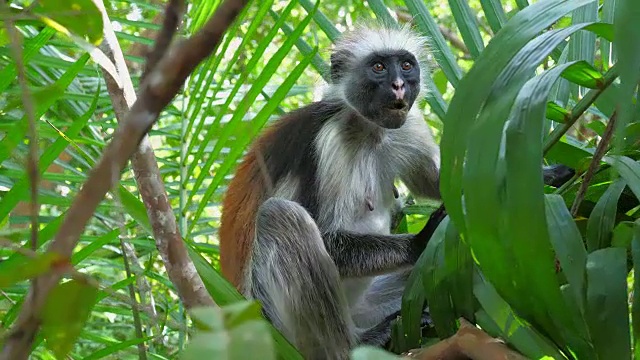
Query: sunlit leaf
(80,17)
(65,313)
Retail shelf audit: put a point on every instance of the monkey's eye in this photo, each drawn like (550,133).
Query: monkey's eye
(378,67)
(406,66)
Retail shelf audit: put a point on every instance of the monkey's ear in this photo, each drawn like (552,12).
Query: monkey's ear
(338,65)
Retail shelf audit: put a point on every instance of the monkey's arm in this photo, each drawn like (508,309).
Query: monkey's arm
(418,159)
(357,254)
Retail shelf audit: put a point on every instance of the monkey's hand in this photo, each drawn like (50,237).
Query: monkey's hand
(421,239)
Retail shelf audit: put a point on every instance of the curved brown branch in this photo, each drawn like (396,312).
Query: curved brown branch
(159,88)
(469,343)
(601,149)
(180,268)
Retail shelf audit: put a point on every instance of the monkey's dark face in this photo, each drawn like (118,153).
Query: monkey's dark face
(384,86)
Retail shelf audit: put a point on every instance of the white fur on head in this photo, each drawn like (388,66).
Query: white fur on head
(367,39)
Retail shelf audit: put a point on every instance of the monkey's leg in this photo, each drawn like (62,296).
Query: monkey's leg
(297,283)
(380,306)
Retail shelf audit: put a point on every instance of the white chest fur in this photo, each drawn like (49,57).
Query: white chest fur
(355,181)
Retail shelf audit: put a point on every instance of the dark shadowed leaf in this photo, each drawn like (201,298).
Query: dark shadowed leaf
(603,217)
(607,303)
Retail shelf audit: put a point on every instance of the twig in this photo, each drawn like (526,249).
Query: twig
(601,149)
(27,102)
(160,87)
(142,351)
(454,39)
(582,106)
(172,15)
(32,158)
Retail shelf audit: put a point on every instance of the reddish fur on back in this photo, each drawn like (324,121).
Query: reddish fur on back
(244,195)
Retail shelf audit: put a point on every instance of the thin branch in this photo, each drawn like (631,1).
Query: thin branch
(160,87)
(137,324)
(27,102)
(172,16)
(582,106)
(601,149)
(453,39)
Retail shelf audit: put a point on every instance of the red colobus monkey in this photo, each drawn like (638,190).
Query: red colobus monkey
(317,252)
(306,220)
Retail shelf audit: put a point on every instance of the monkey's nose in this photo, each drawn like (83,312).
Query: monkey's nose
(398,88)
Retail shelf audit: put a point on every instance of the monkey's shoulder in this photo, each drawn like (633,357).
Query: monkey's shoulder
(295,131)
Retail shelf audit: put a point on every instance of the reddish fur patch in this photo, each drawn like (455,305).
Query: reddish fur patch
(245,194)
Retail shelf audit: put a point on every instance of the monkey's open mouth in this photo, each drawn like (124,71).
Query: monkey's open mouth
(398,105)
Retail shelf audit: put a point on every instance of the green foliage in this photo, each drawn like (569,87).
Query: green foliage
(513,86)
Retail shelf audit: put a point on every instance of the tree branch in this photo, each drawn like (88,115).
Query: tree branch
(158,89)
(601,149)
(469,342)
(173,252)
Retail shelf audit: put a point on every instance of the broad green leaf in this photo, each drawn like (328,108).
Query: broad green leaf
(475,87)
(231,332)
(582,44)
(623,235)
(135,208)
(494,13)
(568,246)
(468,26)
(441,50)
(65,313)
(248,340)
(435,282)
(460,268)
(635,305)
(526,224)
(557,113)
(80,17)
(413,301)
(603,217)
(629,170)
(517,333)
(440,80)
(584,74)
(627,45)
(607,49)
(607,303)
